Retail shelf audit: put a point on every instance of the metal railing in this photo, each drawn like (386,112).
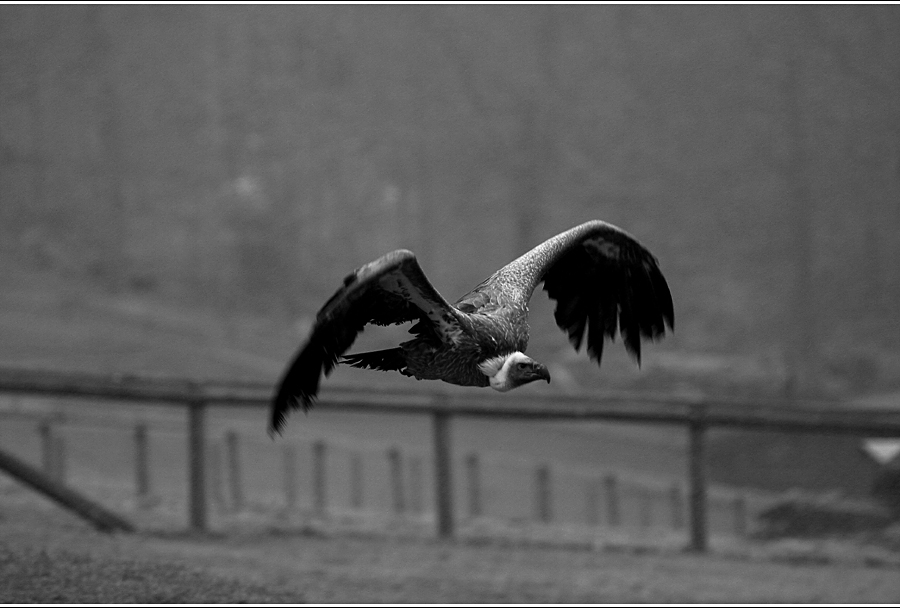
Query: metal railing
(696,415)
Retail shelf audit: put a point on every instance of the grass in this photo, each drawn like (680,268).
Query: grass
(48,557)
(75,576)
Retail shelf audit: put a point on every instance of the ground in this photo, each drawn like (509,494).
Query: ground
(48,556)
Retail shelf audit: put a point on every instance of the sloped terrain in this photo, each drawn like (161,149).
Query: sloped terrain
(50,557)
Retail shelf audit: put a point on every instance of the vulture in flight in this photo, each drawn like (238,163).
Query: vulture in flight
(602,279)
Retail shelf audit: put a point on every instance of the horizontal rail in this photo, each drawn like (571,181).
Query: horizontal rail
(791,416)
(697,414)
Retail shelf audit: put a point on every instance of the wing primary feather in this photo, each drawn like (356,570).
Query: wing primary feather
(300,383)
(629,323)
(390,290)
(649,313)
(596,331)
(604,282)
(663,297)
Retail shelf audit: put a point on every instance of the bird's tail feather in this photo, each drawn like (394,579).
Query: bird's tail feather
(389,360)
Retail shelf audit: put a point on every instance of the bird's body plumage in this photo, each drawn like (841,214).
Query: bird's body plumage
(602,279)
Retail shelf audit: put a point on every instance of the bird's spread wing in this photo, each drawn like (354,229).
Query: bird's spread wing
(602,280)
(392,289)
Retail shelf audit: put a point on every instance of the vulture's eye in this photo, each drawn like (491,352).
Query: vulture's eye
(521,365)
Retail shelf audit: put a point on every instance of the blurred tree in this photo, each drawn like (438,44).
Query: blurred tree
(540,131)
(102,62)
(244,157)
(802,335)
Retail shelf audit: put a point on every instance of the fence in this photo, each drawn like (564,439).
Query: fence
(695,415)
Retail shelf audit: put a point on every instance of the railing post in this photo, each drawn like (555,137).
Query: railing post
(59,457)
(235,478)
(320,480)
(645,496)
(416,502)
(398,496)
(676,505)
(611,486)
(542,494)
(356,480)
(473,476)
(141,463)
(48,459)
(739,504)
(289,457)
(697,479)
(216,483)
(591,502)
(443,480)
(197,465)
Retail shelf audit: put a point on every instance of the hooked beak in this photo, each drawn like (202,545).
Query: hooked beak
(541,372)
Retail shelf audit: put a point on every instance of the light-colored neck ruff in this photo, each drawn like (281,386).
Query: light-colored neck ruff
(497,369)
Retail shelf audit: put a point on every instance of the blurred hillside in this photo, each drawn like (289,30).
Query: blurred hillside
(243,159)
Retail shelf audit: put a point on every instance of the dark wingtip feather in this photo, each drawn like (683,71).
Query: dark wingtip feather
(629,328)
(662,289)
(596,331)
(574,319)
(300,384)
(607,278)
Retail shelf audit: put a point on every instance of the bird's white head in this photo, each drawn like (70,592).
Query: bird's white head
(507,372)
